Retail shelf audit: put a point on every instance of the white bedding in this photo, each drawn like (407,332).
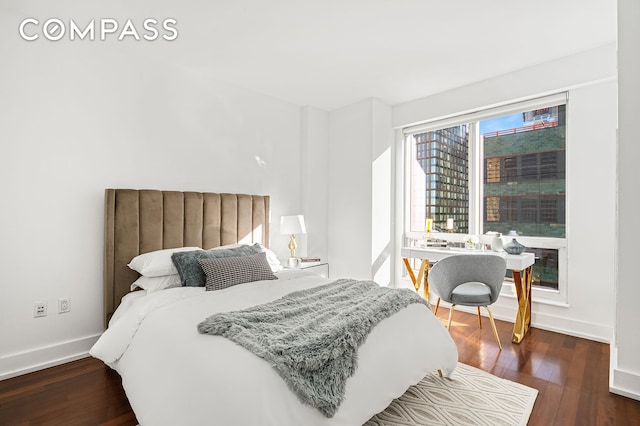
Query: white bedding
(175,376)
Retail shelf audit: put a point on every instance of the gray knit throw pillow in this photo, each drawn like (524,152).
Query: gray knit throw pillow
(229,271)
(190,271)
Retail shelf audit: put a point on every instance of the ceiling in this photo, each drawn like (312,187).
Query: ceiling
(331,53)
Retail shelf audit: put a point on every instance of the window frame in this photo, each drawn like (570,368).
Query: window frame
(550,296)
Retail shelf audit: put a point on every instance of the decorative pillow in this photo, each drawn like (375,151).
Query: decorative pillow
(229,271)
(191,274)
(157,263)
(156,283)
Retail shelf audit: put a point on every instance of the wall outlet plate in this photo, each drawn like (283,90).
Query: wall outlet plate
(39,309)
(64,305)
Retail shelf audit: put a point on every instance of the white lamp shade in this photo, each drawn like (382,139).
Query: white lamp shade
(291,225)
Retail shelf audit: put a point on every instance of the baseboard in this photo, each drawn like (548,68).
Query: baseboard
(563,325)
(41,358)
(571,327)
(622,382)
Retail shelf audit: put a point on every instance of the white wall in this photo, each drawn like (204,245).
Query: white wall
(314,168)
(625,350)
(360,182)
(78,118)
(349,217)
(382,180)
(590,78)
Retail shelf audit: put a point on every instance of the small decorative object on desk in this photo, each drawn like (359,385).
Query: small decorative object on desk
(513,247)
(450,224)
(470,241)
(496,241)
(309,259)
(428,226)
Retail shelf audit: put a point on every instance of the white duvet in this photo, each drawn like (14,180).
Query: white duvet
(175,376)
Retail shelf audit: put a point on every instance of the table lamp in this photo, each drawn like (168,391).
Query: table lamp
(292,225)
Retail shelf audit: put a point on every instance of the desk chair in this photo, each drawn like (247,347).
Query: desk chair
(469,280)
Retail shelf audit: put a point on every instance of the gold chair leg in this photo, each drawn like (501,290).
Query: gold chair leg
(493,324)
(450,316)
(479,318)
(437,306)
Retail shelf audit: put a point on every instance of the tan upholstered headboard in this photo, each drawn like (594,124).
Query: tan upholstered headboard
(140,221)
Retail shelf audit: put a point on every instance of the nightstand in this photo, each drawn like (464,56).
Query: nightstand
(319,268)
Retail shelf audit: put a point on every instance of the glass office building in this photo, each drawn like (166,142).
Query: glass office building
(443,156)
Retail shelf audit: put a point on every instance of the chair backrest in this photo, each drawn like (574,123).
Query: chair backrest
(452,271)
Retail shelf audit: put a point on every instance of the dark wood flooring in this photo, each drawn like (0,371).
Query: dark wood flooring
(571,375)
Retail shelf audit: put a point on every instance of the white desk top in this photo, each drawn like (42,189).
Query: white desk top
(515,262)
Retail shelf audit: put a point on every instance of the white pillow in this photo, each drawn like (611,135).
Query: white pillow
(152,284)
(157,263)
(274,263)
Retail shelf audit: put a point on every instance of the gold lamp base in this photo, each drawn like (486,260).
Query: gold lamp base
(292,246)
(294,262)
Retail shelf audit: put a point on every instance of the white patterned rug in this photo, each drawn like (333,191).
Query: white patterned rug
(470,397)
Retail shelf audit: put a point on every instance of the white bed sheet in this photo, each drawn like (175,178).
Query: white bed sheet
(174,375)
(125,303)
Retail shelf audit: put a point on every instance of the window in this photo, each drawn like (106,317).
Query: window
(496,170)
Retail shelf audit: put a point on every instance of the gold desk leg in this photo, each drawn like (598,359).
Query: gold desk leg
(410,272)
(522,283)
(422,276)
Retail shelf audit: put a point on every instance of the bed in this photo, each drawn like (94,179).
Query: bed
(172,374)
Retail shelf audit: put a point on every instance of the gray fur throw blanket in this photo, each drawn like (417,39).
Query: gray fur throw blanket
(311,337)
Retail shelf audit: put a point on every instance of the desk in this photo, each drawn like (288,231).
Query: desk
(519,264)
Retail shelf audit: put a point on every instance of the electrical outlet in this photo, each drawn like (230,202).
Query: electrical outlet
(40,309)
(64,305)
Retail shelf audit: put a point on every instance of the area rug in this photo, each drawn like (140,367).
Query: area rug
(470,397)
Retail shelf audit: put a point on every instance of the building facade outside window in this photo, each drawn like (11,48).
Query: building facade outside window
(443,157)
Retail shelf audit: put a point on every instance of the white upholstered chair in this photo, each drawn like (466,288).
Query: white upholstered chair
(469,280)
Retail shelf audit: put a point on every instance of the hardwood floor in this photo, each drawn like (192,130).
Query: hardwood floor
(83,392)
(571,375)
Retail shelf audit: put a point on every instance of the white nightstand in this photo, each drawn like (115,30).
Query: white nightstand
(320,268)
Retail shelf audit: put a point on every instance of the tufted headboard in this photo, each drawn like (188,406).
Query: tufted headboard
(140,221)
